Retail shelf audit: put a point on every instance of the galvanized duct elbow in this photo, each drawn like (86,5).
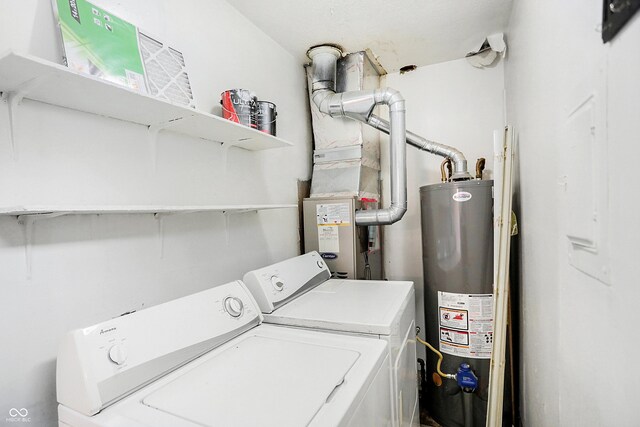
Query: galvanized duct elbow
(359,105)
(460,171)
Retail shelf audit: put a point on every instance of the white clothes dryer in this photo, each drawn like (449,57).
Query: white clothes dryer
(206,360)
(299,292)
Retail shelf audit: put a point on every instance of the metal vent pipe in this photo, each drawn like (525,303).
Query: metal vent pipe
(460,172)
(359,105)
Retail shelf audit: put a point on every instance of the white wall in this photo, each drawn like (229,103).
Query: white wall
(579,333)
(83,269)
(455,104)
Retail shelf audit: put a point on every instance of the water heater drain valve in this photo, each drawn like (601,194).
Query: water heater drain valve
(466,379)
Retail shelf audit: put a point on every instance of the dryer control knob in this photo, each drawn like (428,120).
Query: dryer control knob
(278,283)
(118,354)
(233,306)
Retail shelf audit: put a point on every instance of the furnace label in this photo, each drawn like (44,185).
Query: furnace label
(466,324)
(328,239)
(333,213)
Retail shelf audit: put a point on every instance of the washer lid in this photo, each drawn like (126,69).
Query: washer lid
(364,306)
(286,385)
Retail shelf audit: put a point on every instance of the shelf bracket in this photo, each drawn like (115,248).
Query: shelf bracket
(241,211)
(228,145)
(160,216)
(13,100)
(227,214)
(153,137)
(28,223)
(160,221)
(225,155)
(23,218)
(226,226)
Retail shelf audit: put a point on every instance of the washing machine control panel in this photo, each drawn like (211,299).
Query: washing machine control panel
(278,283)
(118,354)
(273,285)
(234,306)
(96,364)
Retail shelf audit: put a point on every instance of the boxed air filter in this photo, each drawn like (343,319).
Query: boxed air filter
(100,44)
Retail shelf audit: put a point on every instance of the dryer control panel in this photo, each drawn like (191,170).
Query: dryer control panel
(276,284)
(102,363)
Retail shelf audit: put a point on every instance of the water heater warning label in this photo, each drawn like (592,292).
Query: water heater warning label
(454,337)
(466,324)
(453,318)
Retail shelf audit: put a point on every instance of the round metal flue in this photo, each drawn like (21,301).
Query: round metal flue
(324,59)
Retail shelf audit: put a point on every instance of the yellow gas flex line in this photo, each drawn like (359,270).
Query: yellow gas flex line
(440,357)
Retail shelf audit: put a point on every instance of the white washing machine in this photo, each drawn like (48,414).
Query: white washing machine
(206,360)
(299,292)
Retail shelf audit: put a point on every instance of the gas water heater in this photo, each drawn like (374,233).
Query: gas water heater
(457,255)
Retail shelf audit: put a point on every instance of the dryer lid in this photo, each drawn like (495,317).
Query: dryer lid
(288,384)
(364,306)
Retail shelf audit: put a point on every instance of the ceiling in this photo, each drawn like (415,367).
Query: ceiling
(398,32)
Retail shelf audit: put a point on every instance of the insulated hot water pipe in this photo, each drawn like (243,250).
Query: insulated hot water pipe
(359,105)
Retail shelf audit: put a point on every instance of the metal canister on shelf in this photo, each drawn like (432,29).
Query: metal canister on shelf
(240,106)
(266,117)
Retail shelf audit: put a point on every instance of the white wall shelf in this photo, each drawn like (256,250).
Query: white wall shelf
(25,76)
(51,211)
(27,216)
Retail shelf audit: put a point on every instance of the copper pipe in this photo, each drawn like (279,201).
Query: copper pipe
(480,167)
(446,176)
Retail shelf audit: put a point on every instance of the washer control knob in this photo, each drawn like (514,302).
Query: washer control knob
(118,354)
(233,306)
(278,283)
(320,264)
